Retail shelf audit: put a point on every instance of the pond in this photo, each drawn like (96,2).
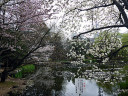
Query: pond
(72,82)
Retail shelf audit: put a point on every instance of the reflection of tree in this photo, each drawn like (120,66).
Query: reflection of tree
(73,81)
(45,83)
(37,90)
(107,87)
(58,83)
(100,91)
(105,79)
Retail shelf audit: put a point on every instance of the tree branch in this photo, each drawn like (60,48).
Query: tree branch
(3,3)
(95,7)
(94,29)
(91,8)
(125,3)
(31,51)
(114,53)
(18,22)
(15,3)
(122,11)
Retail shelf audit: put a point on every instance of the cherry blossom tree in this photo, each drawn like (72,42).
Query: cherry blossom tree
(22,30)
(95,15)
(79,50)
(85,17)
(106,43)
(101,49)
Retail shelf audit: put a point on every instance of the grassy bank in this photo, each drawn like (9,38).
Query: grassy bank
(24,70)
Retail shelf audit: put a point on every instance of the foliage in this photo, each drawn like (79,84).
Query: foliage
(124,38)
(22,30)
(18,74)
(123,54)
(28,68)
(24,70)
(79,50)
(106,43)
(123,94)
(124,72)
(123,85)
(12,46)
(59,52)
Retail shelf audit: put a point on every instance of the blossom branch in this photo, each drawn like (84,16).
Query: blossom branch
(95,7)
(100,28)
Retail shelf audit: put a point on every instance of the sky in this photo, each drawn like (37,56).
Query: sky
(123,30)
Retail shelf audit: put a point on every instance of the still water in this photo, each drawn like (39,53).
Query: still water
(48,82)
(83,87)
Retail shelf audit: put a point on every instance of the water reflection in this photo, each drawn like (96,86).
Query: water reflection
(80,86)
(84,87)
(48,82)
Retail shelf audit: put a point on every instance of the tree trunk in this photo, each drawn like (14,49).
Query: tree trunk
(4,75)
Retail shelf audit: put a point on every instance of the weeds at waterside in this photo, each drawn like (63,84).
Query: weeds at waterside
(26,69)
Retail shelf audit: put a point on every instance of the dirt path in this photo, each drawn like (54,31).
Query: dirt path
(12,85)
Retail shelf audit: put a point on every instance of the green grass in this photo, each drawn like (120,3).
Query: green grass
(18,74)
(26,69)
